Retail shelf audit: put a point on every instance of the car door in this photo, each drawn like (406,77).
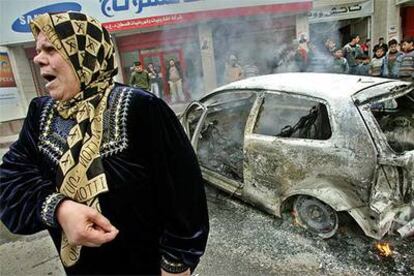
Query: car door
(285,139)
(216,127)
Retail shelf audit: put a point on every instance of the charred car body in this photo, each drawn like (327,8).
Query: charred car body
(319,143)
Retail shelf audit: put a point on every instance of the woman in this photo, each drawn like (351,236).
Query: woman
(105,168)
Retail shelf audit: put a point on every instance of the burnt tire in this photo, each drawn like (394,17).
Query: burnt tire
(316,216)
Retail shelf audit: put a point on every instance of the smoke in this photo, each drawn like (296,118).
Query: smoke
(263,44)
(268,44)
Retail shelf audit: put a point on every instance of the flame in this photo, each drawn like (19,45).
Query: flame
(295,220)
(384,249)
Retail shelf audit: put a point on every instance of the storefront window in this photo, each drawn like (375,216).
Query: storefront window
(158,48)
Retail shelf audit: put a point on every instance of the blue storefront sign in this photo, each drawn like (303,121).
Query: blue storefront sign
(21,24)
(109,7)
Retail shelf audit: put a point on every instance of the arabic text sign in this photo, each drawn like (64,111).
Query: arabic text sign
(341,12)
(109,7)
(206,15)
(145,22)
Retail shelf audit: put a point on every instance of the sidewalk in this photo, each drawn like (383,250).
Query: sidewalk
(28,255)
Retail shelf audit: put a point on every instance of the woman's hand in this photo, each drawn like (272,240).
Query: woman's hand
(84,225)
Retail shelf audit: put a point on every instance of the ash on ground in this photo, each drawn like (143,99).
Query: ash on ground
(246,241)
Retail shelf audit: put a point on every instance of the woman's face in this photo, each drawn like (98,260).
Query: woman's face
(62,83)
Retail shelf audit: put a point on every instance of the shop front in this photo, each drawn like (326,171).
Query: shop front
(338,20)
(159,48)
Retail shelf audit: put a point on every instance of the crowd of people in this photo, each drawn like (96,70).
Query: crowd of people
(390,60)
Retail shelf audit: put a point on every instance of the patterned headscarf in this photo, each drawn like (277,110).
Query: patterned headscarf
(86,45)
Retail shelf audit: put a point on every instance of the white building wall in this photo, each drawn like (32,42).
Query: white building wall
(386,21)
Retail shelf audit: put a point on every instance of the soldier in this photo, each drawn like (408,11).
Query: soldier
(140,78)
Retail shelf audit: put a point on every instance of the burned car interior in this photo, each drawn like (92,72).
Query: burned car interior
(395,117)
(287,116)
(220,146)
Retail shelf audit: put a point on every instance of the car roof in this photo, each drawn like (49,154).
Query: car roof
(321,85)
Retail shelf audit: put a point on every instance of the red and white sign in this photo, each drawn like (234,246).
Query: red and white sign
(135,23)
(119,15)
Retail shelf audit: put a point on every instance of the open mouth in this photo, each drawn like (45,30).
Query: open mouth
(49,77)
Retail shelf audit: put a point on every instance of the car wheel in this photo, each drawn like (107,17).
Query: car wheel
(316,216)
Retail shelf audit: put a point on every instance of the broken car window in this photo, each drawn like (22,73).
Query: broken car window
(288,116)
(395,117)
(220,145)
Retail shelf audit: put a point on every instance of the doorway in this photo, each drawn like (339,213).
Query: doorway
(161,60)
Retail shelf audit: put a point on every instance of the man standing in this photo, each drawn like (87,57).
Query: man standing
(376,66)
(139,77)
(339,64)
(406,60)
(233,70)
(391,63)
(155,80)
(365,46)
(175,81)
(382,44)
(352,51)
(106,168)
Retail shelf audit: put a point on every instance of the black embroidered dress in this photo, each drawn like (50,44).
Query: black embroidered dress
(156,196)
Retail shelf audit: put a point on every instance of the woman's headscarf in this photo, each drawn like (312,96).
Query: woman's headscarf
(86,45)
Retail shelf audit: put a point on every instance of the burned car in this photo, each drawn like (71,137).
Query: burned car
(316,143)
